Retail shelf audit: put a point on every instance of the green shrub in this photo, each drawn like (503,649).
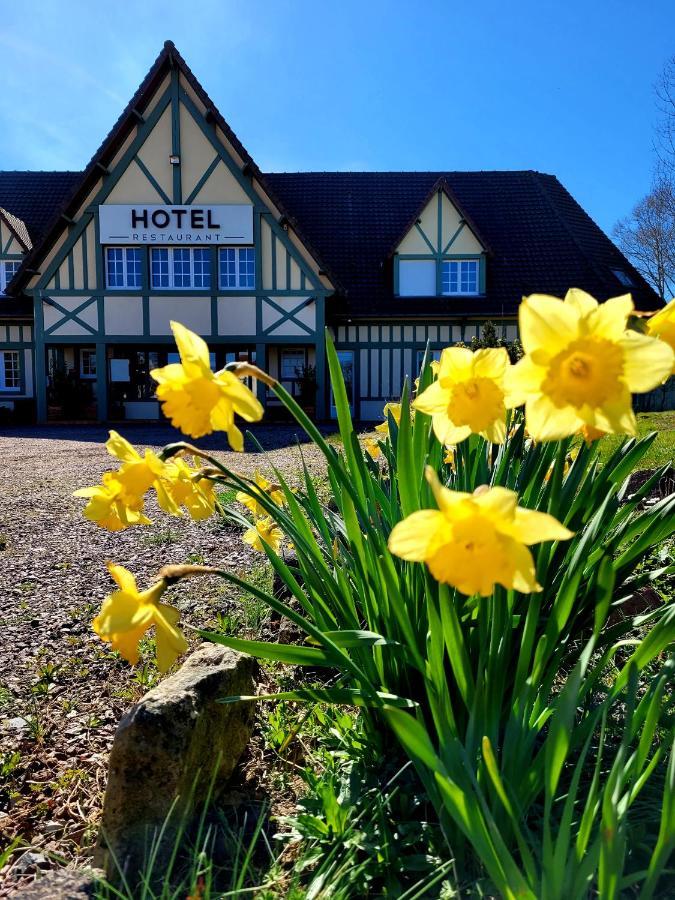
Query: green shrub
(539,723)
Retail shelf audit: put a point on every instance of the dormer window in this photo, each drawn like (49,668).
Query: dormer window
(623,277)
(460,276)
(440,254)
(8,269)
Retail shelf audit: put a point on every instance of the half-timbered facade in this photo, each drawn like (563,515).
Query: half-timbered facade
(173,220)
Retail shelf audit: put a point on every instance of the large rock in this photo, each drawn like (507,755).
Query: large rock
(60,884)
(169,750)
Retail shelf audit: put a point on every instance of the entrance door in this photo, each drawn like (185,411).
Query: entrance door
(71,383)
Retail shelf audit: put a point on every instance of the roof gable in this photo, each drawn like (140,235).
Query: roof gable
(440,226)
(132,165)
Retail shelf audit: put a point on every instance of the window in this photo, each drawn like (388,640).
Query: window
(123,267)
(180,267)
(623,277)
(292,363)
(460,276)
(417,278)
(88,362)
(236,267)
(10,370)
(8,269)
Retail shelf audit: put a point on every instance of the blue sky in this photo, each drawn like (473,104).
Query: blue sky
(565,88)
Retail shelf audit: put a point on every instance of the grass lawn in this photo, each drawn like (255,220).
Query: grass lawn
(662,450)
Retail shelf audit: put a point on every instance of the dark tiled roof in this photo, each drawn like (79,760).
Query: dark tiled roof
(540,239)
(35,197)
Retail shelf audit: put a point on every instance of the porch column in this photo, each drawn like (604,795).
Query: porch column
(101,384)
(39,361)
(40,388)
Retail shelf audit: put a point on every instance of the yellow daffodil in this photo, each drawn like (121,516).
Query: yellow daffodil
(393,409)
(581,365)
(468,397)
(261,486)
(372,448)
(118,502)
(187,488)
(265,531)
(139,473)
(474,541)
(199,401)
(110,506)
(449,457)
(662,326)
(128,613)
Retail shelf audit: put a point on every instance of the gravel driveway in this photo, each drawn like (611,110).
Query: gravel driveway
(61,690)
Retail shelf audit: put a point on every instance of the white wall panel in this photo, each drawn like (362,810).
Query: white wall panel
(236,315)
(193,312)
(123,315)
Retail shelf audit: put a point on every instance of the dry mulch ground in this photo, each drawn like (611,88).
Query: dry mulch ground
(62,691)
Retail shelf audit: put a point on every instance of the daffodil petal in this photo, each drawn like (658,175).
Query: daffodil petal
(547,323)
(173,373)
(521,380)
(580,301)
(412,538)
(192,348)
(647,361)
(456,364)
(433,399)
(532,527)
(498,503)
(490,362)
(547,422)
(446,500)
(496,432)
(122,577)
(610,318)
(524,577)
(170,642)
(447,432)
(120,448)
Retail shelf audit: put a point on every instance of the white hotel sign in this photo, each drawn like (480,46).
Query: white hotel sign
(129,224)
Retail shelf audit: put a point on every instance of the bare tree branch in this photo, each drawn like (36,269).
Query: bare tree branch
(665,126)
(647,235)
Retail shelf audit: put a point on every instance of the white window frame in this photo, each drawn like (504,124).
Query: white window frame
(3,385)
(89,376)
(4,280)
(171,275)
(126,286)
(240,279)
(459,292)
